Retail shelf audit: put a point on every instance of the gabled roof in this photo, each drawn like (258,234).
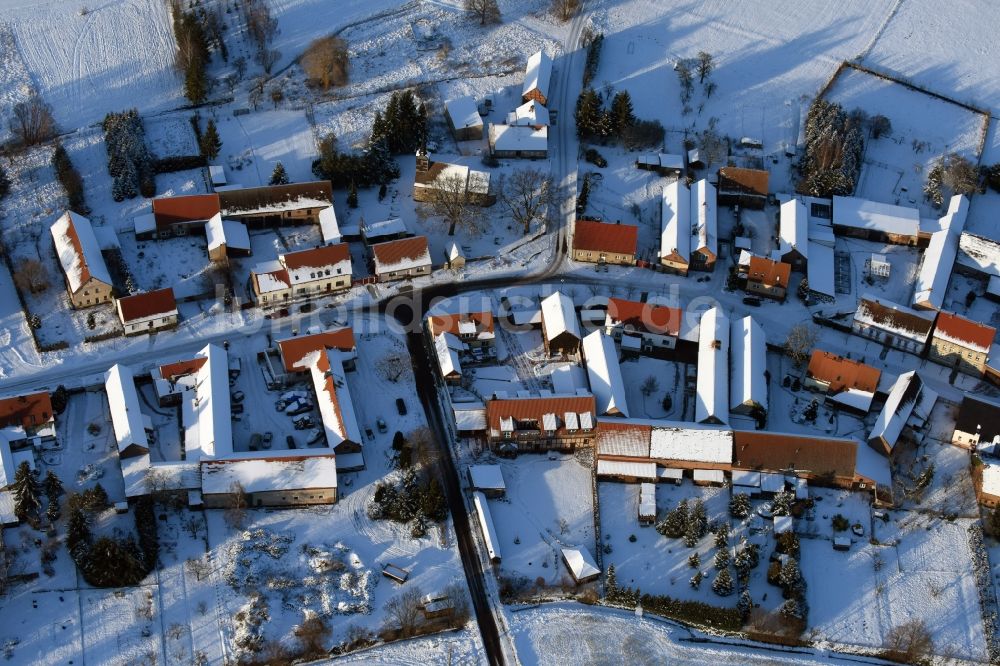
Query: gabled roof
(317,262)
(780,452)
(895,318)
(603,237)
(979,416)
(820,271)
(294,350)
(257,475)
(712,394)
(904,397)
(691,444)
(605,374)
(126,414)
(704,218)
(842,373)
(231,233)
(171,371)
(467,323)
(750,180)
(939,257)
(794,227)
(336,406)
(559,316)
(189,208)
(748,351)
(965,332)
(148,305)
(536,409)
(768,272)
(675,237)
(78,250)
(276,198)
(400,255)
(518,137)
(7,467)
(874,216)
(622,438)
(270,276)
(29,410)
(530,113)
(329,228)
(212,418)
(447,355)
(463,113)
(644,317)
(979,253)
(537,74)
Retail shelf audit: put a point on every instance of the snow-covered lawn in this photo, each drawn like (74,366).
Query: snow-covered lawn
(670,381)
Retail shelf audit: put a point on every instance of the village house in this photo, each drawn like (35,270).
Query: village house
(276,481)
(147,312)
(939,258)
(293,351)
(529,114)
(88,281)
(892,325)
(793,234)
(978,256)
(336,407)
(401,259)
(961,343)
(30,412)
(849,383)
(541,423)
(605,374)
(644,327)
(475,329)
(560,326)
(132,428)
(517,141)
(704,226)
(434,179)
(747,188)
(712,386)
(464,119)
(302,274)
(226,238)
(605,243)
(879,222)
(906,410)
(978,425)
(537,75)
(449,350)
(675,236)
(748,384)
(768,278)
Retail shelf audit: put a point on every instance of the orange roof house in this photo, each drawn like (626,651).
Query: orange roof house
(603,238)
(28,411)
(840,374)
(644,317)
(295,350)
(190,208)
(964,332)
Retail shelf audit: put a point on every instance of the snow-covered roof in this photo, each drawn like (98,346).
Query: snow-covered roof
(900,320)
(638,470)
(695,444)
(211,404)
(447,355)
(704,217)
(821,231)
(146,306)
(647,499)
(328,226)
(230,233)
(463,113)
(489,477)
(7,467)
(510,138)
(537,73)
(317,263)
(605,374)
(580,562)
(675,207)
(486,525)
(135,475)
(870,465)
(336,406)
(748,352)
(794,227)
(530,113)
(270,276)
(853,398)
(708,476)
(746,478)
(819,270)
(964,332)
(78,251)
(979,253)
(217,173)
(622,439)
(394,226)
(401,255)
(712,393)
(874,216)
(559,316)
(470,417)
(312,472)
(782,524)
(771,482)
(991,478)
(126,415)
(903,397)
(662,160)
(939,257)
(144,224)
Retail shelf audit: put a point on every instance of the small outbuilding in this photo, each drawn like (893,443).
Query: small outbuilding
(581,564)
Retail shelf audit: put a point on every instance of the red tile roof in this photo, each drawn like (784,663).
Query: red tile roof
(28,410)
(750,180)
(603,237)
(181,368)
(962,330)
(658,319)
(533,409)
(149,304)
(293,350)
(449,323)
(396,251)
(190,208)
(778,452)
(769,272)
(317,257)
(842,373)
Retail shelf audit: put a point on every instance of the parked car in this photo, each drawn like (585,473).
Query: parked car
(238,396)
(301,409)
(314,436)
(401,406)
(236,409)
(280,405)
(752,301)
(303,423)
(368,433)
(382,427)
(290,441)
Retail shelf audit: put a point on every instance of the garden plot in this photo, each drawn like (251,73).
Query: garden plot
(548,505)
(923,129)
(181,263)
(121,626)
(252,144)
(41,627)
(669,381)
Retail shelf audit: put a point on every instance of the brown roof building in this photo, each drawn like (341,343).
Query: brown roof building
(744,187)
(294,350)
(836,373)
(148,312)
(399,259)
(185,209)
(473,328)
(601,242)
(892,324)
(961,343)
(541,423)
(769,278)
(29,411)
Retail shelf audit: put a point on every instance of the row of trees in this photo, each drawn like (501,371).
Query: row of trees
(70,179)
(834,145)
(129,160)
(616,123)
(262,28)
(192,55)
(109,562)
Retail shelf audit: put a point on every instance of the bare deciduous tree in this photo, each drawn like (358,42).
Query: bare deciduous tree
(403,610)
(449,200)
(31,276)
(236,511)
(267,58)
(800,341)
(313,634)
(32,122)
(650,386)
(486,11)
(912,640)
(528,194)
(565,9)
(325,61)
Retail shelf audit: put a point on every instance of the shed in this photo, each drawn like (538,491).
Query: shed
(395,573)
(841,543)
(771,483)
(647,503)
(626,471)
(580,563)
(486,525)
(488,479)
(671,474)
(217,174)
(746,481)
(709,477)
(782,524)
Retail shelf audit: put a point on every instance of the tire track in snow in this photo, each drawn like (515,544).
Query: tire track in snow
(78,60)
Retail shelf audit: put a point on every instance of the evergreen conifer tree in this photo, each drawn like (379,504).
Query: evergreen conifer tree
(210,142)
(723,583)
(53,488)
(611,583)
(621,116)
(279,176)
(352,195)
(25,489)
(77,533)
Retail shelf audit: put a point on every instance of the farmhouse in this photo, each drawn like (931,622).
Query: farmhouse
(939,257)
(560,327)
(400,259)
(769,278)
(978,425)
(294,350)
(909,404)
(226,238)
(893,325)
(704,226)
(605,374)
(269,205)
(87,279)
(743,187)
(537,75)
(541,423)
(849,383)
(31,412)
(131,426)
(441,179)
(518,141)
(148,312)
(643,326)
(277,481)
(529,114)
(302,274)
(879,222)
(177,216)
(463,118)
(793,234)
(675,236)
(748,352)
(449,350)
(712,390)
(604,243)
(961,343)
(473,328)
